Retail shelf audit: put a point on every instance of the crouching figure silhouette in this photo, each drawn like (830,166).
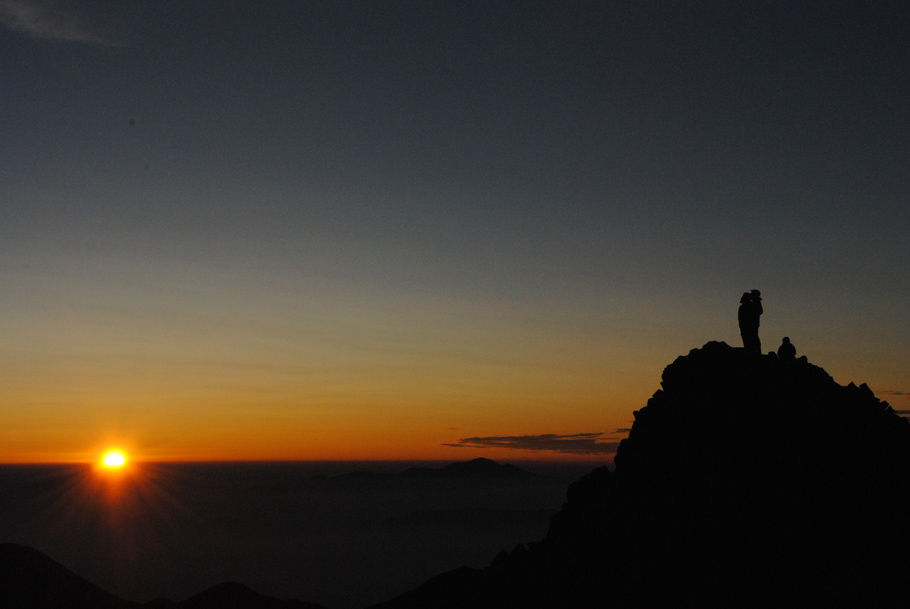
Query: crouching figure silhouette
(786,352)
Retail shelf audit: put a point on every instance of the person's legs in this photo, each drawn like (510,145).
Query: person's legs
(751,342)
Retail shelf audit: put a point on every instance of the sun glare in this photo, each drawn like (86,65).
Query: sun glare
(113,459)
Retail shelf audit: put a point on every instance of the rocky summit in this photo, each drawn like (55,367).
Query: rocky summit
(746,481)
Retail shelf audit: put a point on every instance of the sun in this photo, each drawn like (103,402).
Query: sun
(113,459)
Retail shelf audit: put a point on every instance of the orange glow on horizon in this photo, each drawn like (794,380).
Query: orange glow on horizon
(356,442)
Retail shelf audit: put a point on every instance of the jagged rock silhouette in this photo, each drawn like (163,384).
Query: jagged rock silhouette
(745,481)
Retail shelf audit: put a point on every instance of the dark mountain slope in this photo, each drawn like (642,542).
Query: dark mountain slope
(29,579)
(745,481)
(231,595)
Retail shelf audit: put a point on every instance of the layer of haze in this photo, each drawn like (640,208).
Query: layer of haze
(294,230)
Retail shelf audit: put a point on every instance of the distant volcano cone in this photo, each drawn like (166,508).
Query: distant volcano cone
(745,481)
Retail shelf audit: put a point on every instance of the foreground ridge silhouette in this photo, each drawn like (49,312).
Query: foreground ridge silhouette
(745,481)
(31,580)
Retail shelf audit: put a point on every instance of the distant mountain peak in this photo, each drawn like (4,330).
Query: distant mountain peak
(482,465)
(234,595)
(482,461)
(479,467)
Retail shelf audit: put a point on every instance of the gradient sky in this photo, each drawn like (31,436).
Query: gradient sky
(335,230)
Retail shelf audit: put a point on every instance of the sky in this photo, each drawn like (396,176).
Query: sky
(432,230)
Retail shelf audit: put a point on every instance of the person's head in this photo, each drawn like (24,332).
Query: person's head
(745,298)
(755,294)
(786,339)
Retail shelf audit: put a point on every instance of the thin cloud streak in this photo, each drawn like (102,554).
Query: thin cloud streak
(579,444)
(897,394)
(47,20)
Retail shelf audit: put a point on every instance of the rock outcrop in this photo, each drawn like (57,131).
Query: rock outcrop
(745,481)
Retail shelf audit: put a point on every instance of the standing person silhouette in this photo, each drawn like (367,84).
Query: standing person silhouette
(750,310)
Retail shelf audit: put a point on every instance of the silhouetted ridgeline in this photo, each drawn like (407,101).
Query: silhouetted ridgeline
(745,481)
(31,580)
